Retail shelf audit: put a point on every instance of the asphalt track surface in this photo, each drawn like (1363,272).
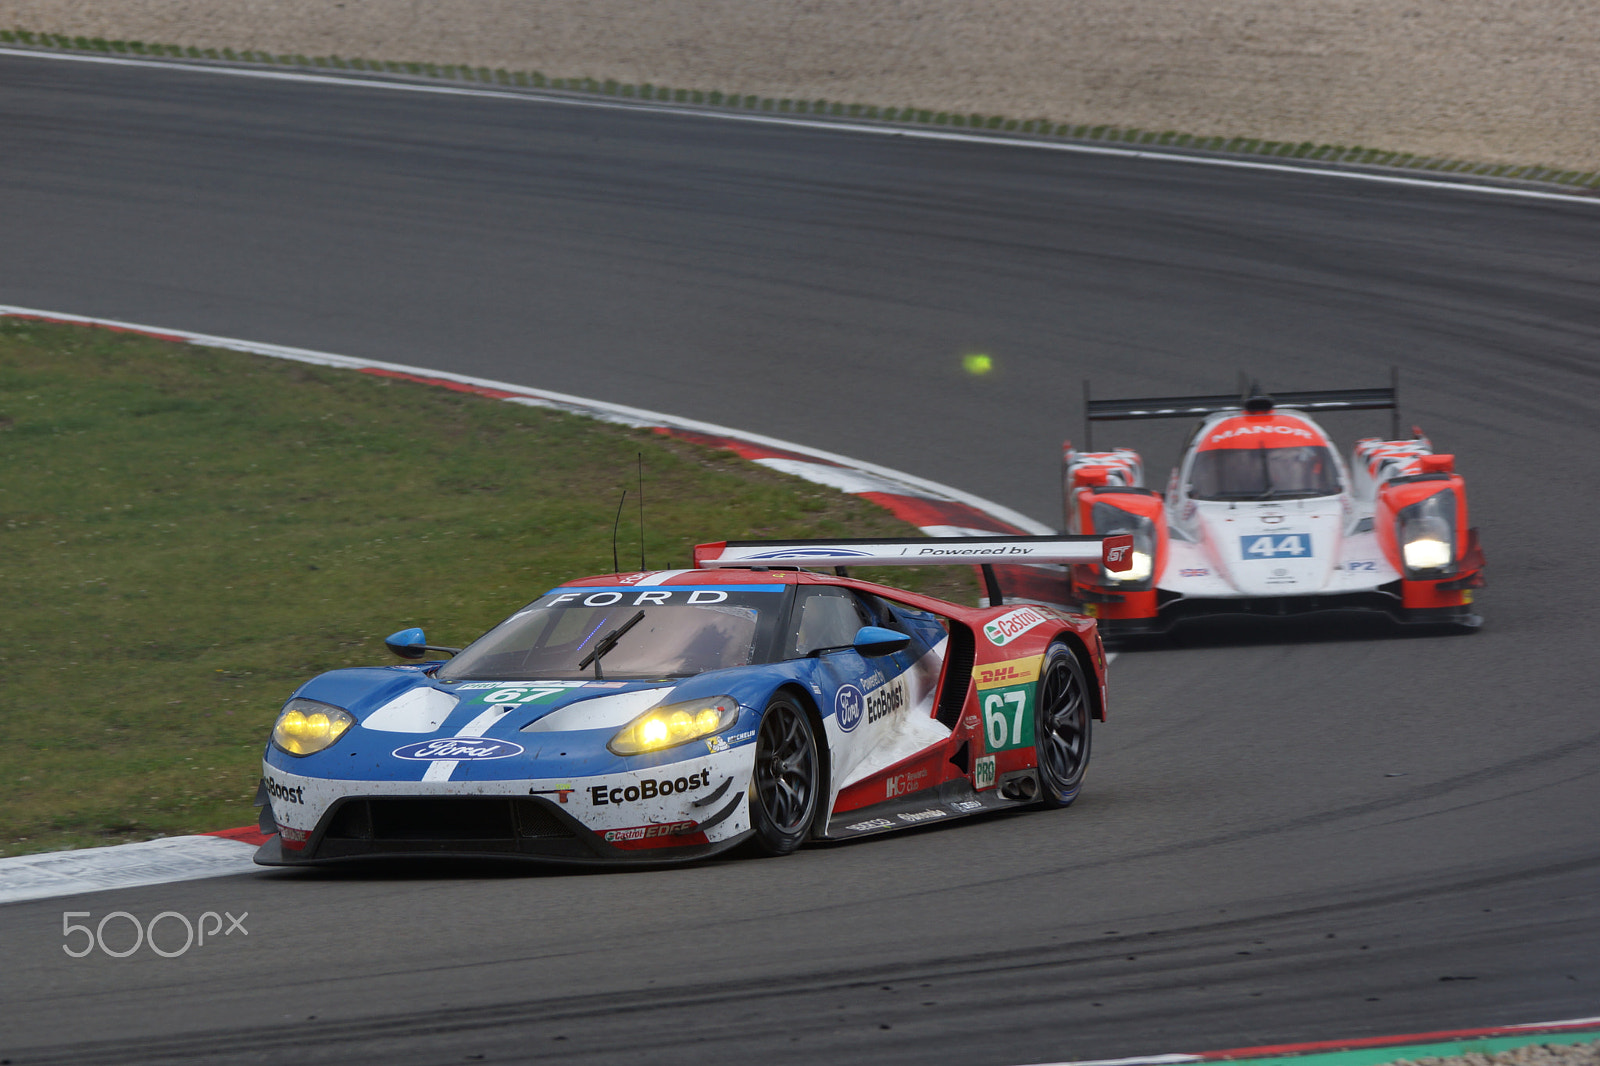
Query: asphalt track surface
(1288,833)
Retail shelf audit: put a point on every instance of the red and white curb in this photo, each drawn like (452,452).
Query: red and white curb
(1379,1049)
(938,510)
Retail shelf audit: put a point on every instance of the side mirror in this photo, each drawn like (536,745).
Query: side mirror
(875,640)
(411,644)
(408,643)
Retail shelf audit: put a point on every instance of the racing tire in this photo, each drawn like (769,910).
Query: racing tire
(1062,718)
(786,783)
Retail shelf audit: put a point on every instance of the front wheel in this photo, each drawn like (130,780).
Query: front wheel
(785,786)
(1061,727)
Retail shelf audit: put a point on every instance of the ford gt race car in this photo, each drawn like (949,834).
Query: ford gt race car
(663,716)
(1263,516)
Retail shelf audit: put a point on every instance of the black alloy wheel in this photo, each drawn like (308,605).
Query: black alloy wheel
(1061,725)
(787,780)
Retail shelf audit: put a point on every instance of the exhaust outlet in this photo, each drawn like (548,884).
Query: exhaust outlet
(1019,788)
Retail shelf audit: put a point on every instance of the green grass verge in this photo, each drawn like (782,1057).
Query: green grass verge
(1358,155)
(187,533)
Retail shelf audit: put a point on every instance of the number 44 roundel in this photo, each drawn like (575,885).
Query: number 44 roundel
(1275,546)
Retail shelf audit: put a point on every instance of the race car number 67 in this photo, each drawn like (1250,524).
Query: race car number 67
(1003,734)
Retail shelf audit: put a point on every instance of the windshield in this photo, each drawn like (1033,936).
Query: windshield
(1263,473)
(685,630)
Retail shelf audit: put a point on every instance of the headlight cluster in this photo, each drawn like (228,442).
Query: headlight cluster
(305,727)
(675,723)
(1107,520)
(1426,532)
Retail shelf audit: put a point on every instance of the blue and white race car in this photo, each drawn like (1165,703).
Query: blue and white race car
(671,715)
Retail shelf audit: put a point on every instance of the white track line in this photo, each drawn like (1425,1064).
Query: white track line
(912,132)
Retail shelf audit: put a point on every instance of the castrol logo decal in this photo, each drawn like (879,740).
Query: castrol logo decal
(1010,626)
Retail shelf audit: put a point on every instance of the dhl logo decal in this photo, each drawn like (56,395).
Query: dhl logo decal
(1010,672)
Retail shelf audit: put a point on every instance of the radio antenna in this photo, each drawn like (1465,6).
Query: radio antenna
(1394,410)
(1088,423)
(641,511)
(616,567)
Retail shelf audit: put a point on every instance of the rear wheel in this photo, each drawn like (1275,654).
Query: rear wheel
(1061,727)
(785,786)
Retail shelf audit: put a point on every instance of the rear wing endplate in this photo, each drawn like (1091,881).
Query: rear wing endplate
(1379,399)
(1114,552)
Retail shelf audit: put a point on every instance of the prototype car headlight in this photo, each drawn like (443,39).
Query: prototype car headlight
(1107,520)
(305,727)
(1426,532)
(672,724)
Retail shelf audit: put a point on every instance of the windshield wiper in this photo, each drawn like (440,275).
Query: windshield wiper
(607,642)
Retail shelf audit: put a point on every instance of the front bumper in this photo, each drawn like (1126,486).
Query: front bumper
(1186,609)
(528,828)
(670,812)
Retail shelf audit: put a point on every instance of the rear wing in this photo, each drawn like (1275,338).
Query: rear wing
(1378,399)
(1114,552)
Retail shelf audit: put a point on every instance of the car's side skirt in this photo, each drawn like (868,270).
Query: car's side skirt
(952,799)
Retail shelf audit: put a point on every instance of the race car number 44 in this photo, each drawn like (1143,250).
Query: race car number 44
(1275,546)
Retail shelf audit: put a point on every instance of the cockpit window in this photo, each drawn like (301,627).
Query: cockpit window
(1263,473)
(685,630)
(825,617)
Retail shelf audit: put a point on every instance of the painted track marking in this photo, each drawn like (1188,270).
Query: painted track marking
(1369,1051)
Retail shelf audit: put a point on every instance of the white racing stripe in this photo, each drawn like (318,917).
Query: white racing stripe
(842,126)
(441,769)
(660,577)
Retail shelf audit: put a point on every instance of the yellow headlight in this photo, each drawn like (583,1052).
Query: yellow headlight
(674,724)
(300,733)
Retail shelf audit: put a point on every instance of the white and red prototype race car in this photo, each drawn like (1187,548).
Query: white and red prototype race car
(1263,516)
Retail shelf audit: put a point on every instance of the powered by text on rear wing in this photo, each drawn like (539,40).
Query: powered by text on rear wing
(1114,553)
(1313,401)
